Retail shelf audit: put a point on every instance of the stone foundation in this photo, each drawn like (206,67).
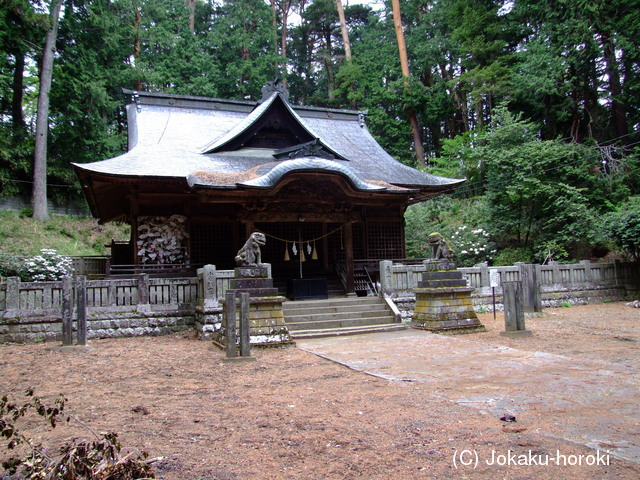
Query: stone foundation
(208,321)
(48,328)
(443,301)
(267,327)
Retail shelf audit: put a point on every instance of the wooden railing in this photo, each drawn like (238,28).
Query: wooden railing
(93,266)
(113,295)
(157,270)
(404,277)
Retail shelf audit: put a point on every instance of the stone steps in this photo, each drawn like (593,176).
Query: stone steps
(338,316)
(387,327)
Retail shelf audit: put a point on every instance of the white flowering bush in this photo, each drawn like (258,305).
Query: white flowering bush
(49,265)
(472,246)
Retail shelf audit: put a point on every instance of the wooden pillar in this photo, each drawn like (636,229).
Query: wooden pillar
(325,247)
(67,311)
(249,228)
(348,258)
(81,308)
(245,338)
(135,212)
(230,327)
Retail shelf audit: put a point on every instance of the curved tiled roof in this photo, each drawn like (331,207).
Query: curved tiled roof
(271,179)
(170,135)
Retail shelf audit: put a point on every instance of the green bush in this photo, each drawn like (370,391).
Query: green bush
(11,266)
(512,255)
(623,227)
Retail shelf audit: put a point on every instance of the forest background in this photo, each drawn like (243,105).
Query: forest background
(535,102)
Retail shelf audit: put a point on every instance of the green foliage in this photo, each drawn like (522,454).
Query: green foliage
(242,48)
(423,219)
(536,190)
(550,251)
(513,255)
(22,236)
(622,226)
(554,69)
(11,266)
(99,459)
(460,221)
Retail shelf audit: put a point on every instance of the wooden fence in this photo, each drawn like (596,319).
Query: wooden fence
(400,277)
(42,298)
(556,283)
(148,306)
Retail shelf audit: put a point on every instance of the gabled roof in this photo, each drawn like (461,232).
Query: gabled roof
(228,144)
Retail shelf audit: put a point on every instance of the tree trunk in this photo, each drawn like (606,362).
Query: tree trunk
(191,5)
(618,113)
(404,64)
(137,47)
(345,32)
(17,116)
(285,8)
(39,192)
(274,24)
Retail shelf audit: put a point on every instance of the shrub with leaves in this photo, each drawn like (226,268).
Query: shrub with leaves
(99,459)
(472,246)
(49,265)
(11,266)
(623,227)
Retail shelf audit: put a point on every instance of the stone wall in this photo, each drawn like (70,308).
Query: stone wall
(48,328)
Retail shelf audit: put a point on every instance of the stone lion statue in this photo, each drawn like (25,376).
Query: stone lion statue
(249,255)
(441,248)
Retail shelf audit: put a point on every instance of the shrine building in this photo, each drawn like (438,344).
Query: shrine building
(202,174)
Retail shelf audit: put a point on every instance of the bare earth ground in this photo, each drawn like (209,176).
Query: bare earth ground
(294,415)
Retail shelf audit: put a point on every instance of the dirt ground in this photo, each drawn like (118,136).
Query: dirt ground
(294,415)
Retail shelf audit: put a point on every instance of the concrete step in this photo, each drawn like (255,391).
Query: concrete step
(331,302)
(388,327)
(295,310)
(339,323)
(337,314)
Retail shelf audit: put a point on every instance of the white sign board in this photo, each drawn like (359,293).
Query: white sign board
(494,277)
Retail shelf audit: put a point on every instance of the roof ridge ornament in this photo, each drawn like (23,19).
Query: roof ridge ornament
(135,96)
(275,86)
(314,148)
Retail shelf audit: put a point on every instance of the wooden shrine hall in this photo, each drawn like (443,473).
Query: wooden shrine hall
(202,174)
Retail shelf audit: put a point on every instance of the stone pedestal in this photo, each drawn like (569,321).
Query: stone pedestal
(267,327)
(443,301)
(266,319)
(256,281)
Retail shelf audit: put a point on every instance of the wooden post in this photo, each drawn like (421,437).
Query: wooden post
(512,293)
(230,331)
(513,306)
(386,277)
(587,270)
(245,338)
(530,289)
(143,289)
(67,311)
(348,254)
(325,247)
(81,309)
(13,293)
(209,286)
